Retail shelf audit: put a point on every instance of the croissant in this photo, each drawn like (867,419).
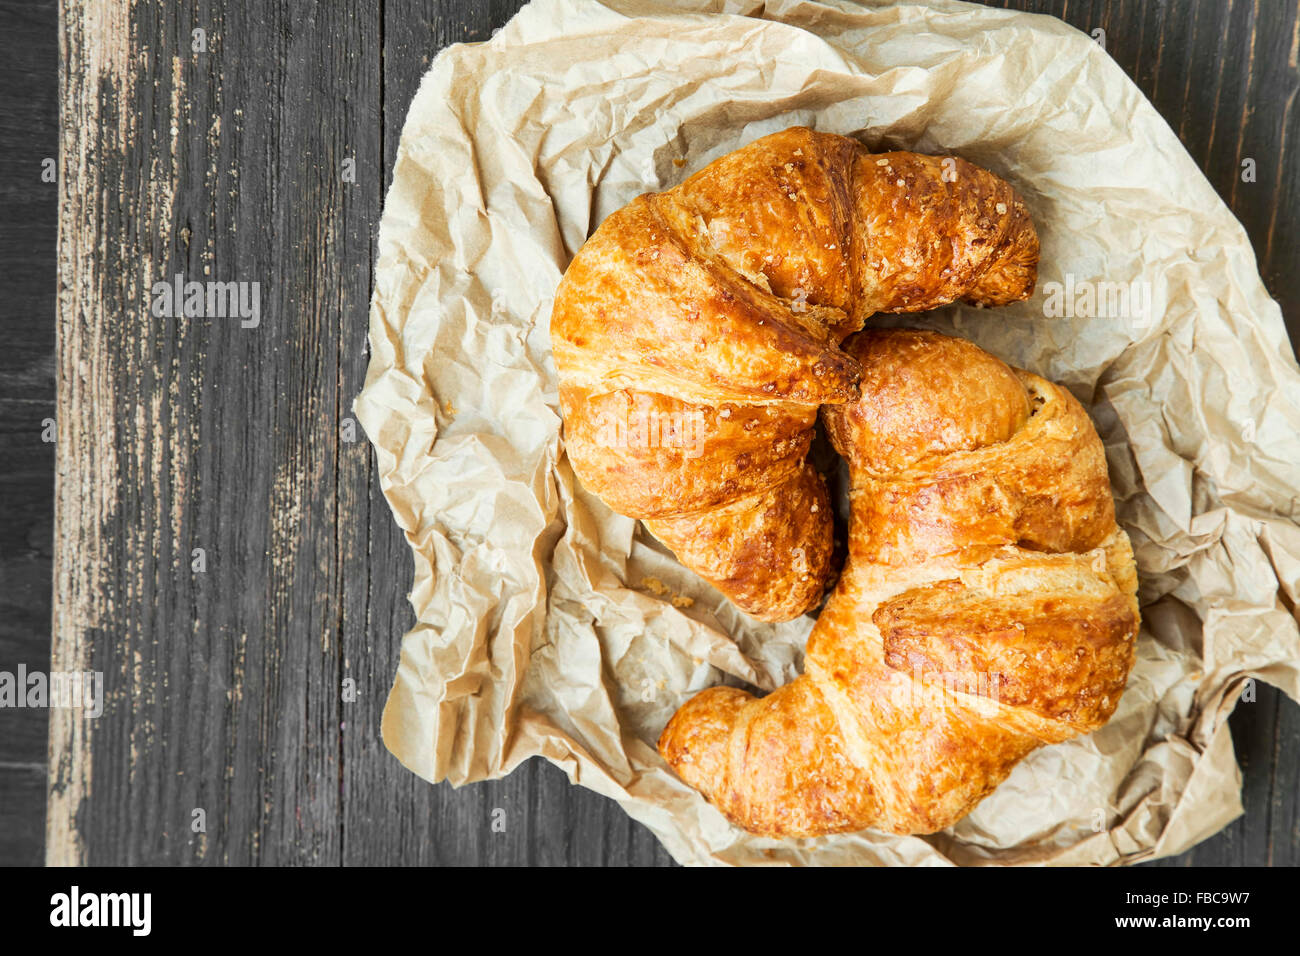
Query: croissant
(696,334)
(987,607)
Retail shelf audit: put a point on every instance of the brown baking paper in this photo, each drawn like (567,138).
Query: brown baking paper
(548,625)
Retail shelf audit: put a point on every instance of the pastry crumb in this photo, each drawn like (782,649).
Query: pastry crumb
(659,589)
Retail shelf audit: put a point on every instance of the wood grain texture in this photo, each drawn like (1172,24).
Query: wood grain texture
(28,209)
(175,434)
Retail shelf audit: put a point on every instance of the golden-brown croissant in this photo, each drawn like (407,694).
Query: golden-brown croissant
(697,333)
(987,606)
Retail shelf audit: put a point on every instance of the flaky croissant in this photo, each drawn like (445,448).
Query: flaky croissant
(697,333)
(987,606)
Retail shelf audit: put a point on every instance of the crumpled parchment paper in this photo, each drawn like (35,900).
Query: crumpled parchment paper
(548,625)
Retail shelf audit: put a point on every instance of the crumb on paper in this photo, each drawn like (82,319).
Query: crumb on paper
(659,589)
(448,407)
(679,163)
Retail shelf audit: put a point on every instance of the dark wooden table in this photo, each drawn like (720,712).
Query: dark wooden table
(225,159)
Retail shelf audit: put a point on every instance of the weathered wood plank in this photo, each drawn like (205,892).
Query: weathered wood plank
(221,160)
(28,206)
